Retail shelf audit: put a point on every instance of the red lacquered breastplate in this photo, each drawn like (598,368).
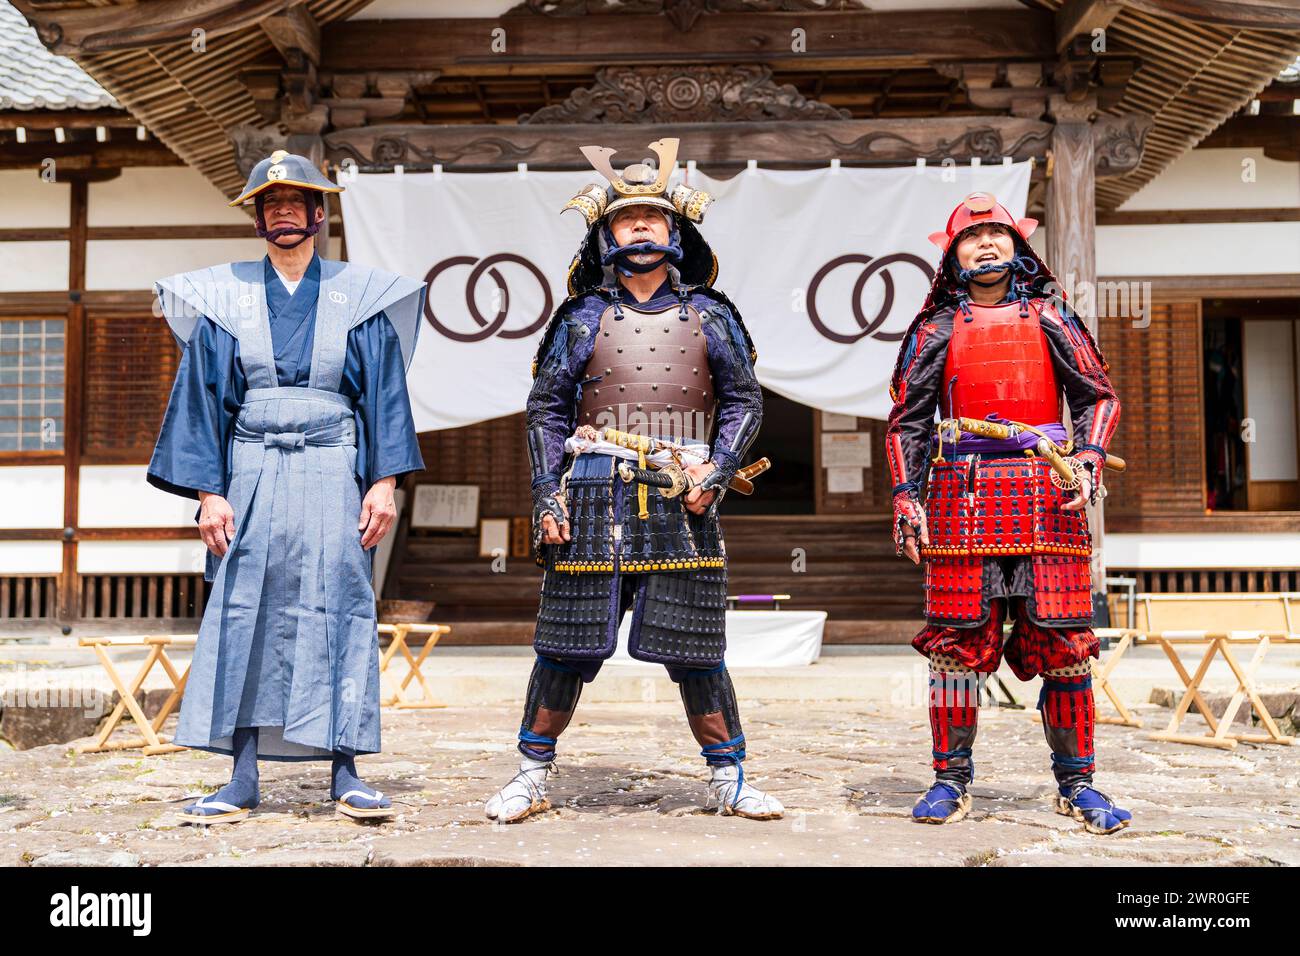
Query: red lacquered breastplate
(1001,366)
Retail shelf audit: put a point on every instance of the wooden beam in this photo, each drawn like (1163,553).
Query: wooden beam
(879,142)
(1252,286)
(86,156)
(1082,17)
(543,45)
(295,29)
(81,31)
(1166,217)
(1238,14)
(1277,136)
(68,119)
(224,230)
(1072,245)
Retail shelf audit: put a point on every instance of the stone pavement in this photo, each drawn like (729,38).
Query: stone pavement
(631,788)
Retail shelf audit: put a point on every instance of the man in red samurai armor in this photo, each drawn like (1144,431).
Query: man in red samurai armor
(1002,532)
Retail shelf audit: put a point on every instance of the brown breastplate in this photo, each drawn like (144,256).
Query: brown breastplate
(652,376)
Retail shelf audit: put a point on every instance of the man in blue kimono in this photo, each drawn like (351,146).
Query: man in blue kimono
(289,421)
(644,351)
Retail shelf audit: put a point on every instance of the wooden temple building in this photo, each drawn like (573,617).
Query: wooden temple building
(1166,140)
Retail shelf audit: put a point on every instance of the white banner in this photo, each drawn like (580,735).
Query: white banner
(827,266)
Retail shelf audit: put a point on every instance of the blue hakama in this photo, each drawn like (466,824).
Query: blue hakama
(291,407)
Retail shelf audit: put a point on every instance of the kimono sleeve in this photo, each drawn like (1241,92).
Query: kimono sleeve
(193,449)
(375,376)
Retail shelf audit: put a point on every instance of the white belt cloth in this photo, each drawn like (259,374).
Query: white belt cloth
(693,453)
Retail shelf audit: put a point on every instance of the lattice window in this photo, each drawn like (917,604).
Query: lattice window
(131,362)
(162,596)
(1156,369)
(31,384)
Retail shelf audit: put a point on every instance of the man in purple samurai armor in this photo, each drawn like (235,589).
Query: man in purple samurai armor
(643,351)
(289,420)
(1002,529)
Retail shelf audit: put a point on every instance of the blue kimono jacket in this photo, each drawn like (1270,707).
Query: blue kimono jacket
(291,407)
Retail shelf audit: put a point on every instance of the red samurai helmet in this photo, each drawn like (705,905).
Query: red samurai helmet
(978,209)
(975,210)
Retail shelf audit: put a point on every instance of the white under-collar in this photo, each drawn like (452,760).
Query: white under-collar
(291,285)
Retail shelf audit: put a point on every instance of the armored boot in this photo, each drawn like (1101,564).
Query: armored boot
(954,717)
(710,701)
(553,691)
(1069,718)
(524,795)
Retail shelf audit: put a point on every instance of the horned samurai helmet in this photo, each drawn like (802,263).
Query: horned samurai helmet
(641,184)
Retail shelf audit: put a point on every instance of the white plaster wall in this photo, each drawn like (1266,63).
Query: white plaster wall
(31,557)
(28,201)
(33,266)
(1208,179)
(1199,249)
(1213,179)
(1213,550)
(137,263)
(141,557)
(31,496)
(161,196)
(118,496)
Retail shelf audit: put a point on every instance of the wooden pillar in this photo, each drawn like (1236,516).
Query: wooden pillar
(1072,244)
(74,337)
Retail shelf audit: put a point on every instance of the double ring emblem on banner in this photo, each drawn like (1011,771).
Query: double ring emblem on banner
(871,265)
(487,327)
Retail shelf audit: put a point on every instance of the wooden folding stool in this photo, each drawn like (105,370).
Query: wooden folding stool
(399,632)
(150,741)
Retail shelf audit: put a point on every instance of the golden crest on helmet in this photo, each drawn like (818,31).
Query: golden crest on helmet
(645,182)
(633,182)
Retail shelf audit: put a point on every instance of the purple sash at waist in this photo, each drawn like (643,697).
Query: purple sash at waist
(974,444)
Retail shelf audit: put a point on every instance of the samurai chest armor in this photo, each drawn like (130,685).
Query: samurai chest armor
(998,364)
(649,375)
(983,515)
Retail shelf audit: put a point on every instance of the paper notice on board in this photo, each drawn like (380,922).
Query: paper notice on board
(844,481)
(835,422)
(445,506)
(846,450)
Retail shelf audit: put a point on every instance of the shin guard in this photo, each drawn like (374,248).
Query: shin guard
(710,702)
(553,691)
(954,702)
(1069,719)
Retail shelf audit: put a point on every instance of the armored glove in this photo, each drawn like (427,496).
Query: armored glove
(908,517)
(548,499)
(718,479)
(1095,462)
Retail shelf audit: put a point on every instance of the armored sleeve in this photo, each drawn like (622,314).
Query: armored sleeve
(916,390)
(552,401)
(740,398)
(1081,371)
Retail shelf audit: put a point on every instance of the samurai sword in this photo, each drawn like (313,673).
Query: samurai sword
(672,480)
(741,482)
(1045,447)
